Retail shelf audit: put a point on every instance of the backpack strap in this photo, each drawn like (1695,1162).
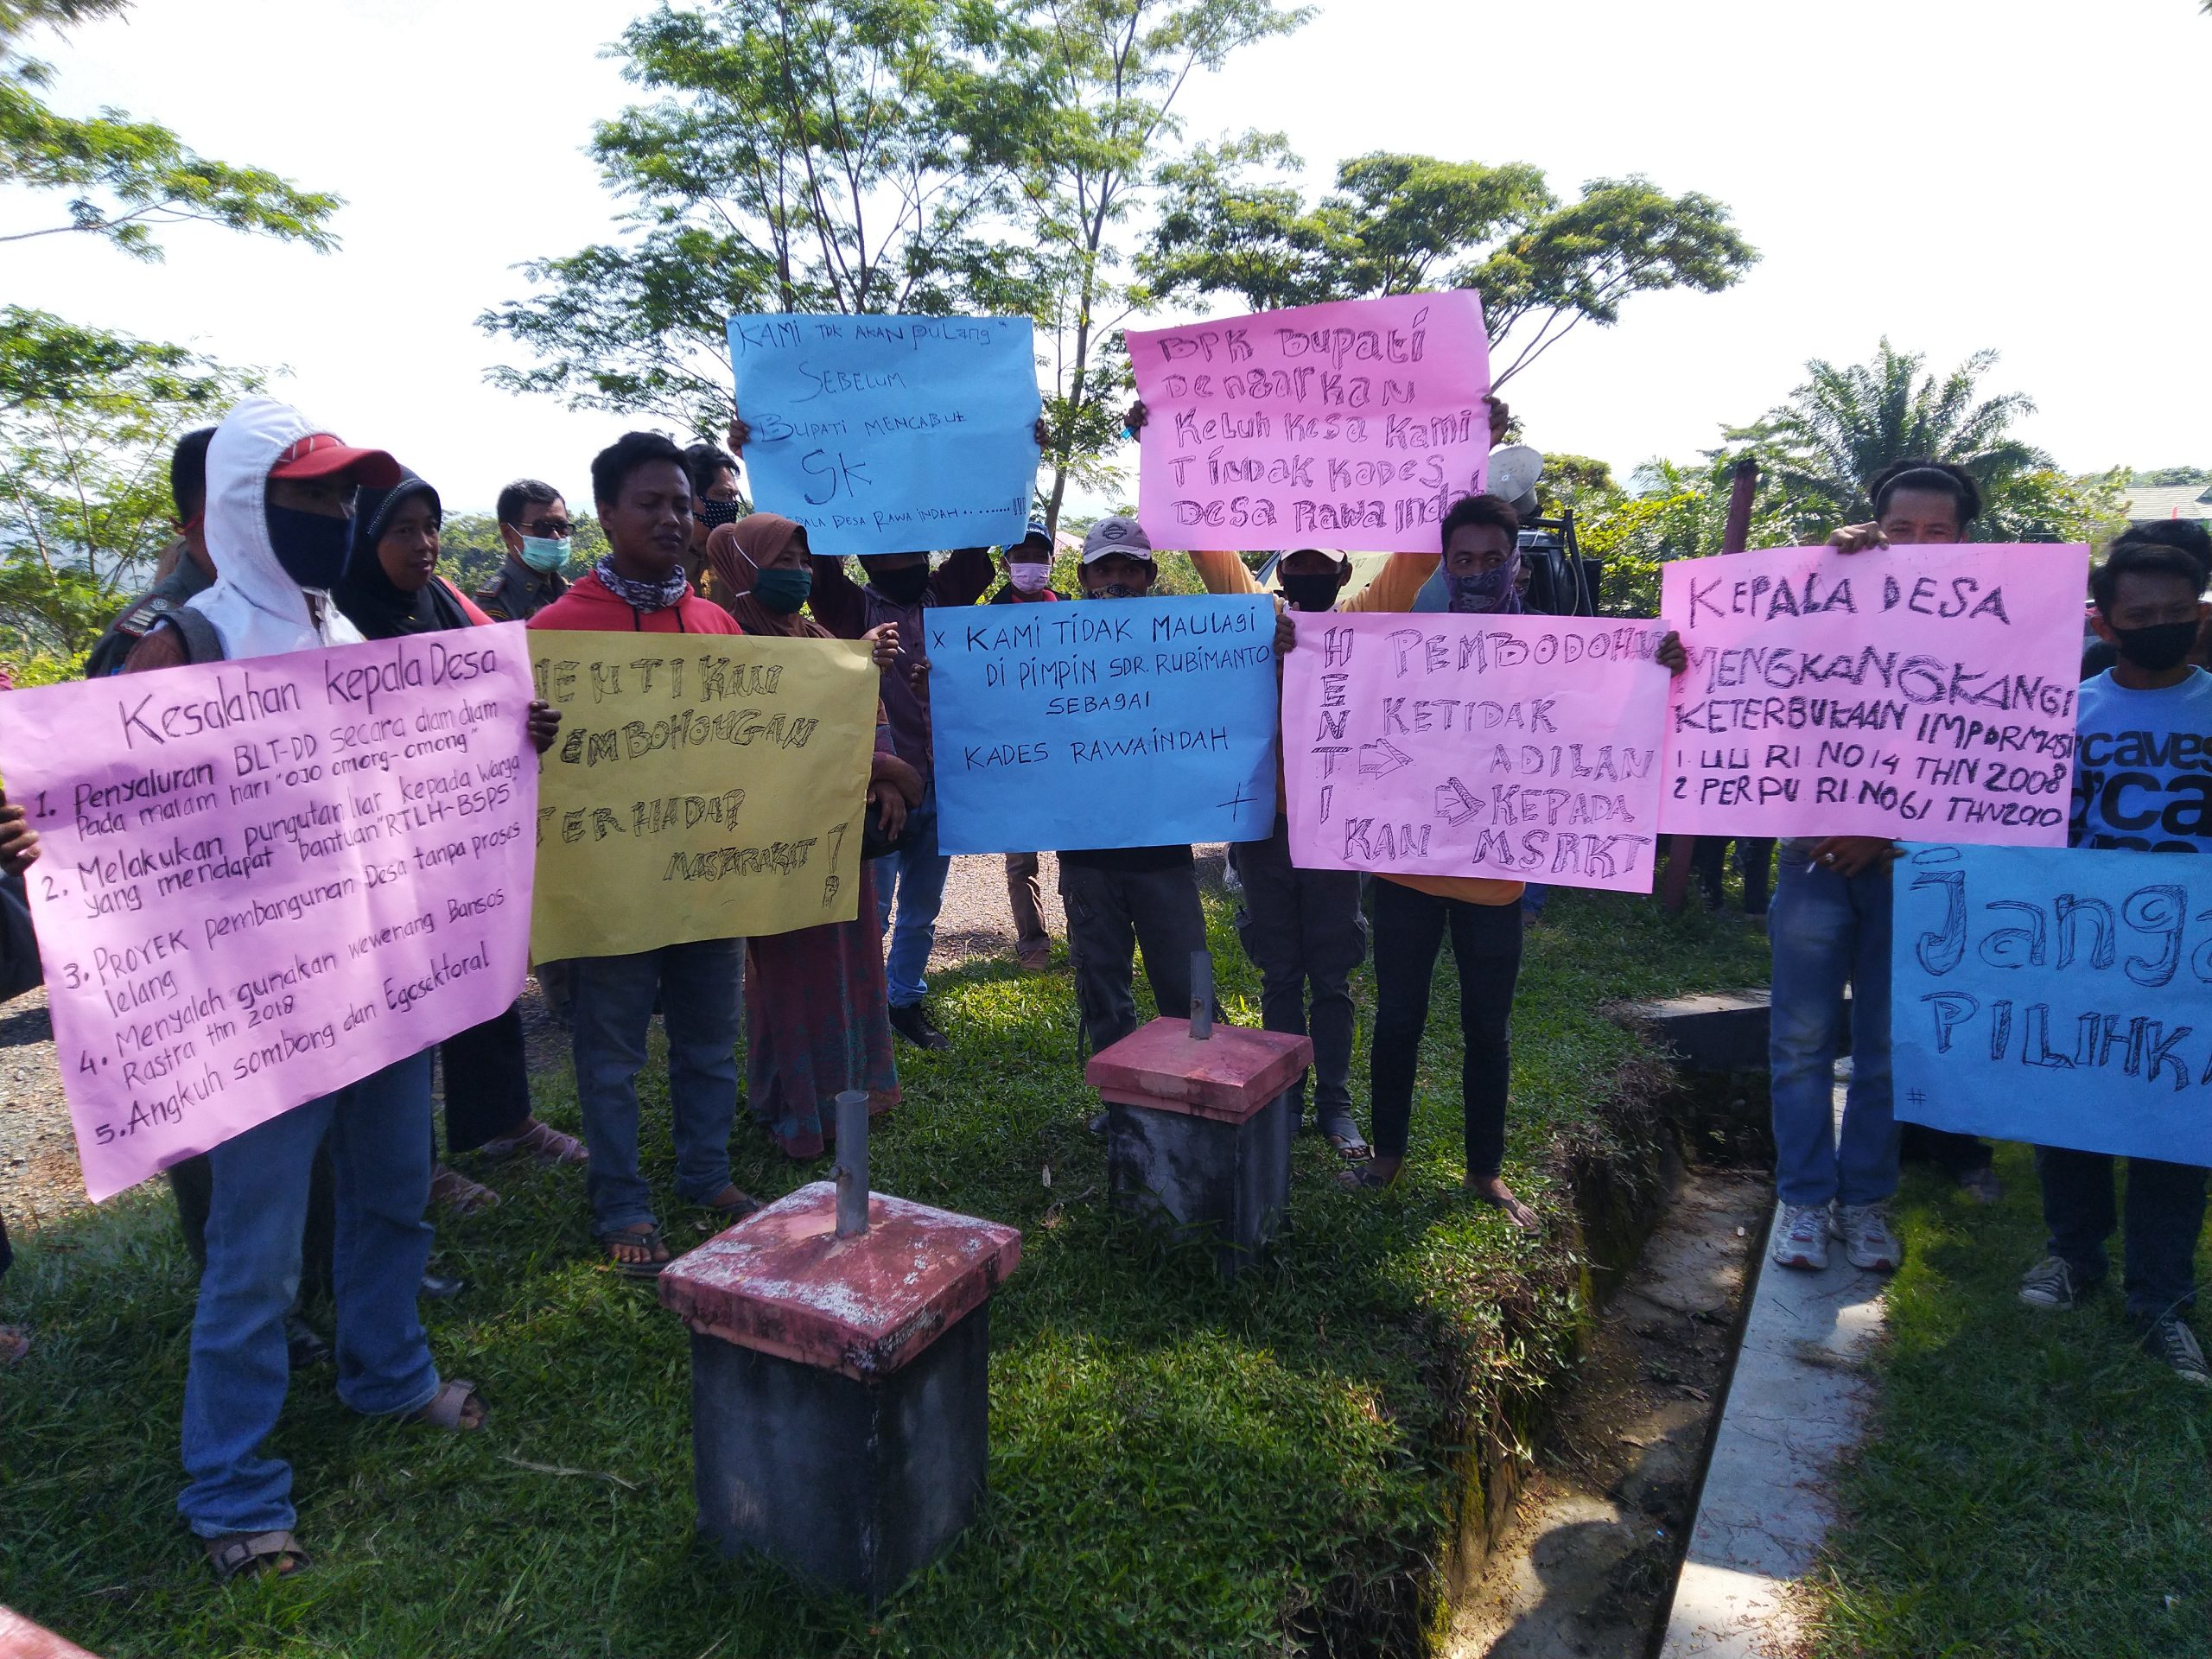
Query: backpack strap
(202,644)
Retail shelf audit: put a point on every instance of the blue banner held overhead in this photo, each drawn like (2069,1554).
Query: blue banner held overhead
(890,435)
(2060,996)
(1117,722)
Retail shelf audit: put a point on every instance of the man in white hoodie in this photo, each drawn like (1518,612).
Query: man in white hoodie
(279,498)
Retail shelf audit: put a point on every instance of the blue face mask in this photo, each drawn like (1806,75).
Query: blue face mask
(782,591)
(1492,591)
(545,554)
(310,546)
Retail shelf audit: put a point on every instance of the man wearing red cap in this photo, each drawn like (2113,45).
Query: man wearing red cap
(279,503)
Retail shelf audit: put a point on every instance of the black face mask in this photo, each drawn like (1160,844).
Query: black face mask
(2158,647)
(311,546)
(714,514)
(1312,593)
(903,586)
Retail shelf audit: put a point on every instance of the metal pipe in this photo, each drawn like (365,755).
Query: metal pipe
(1201,996)
(852,1163)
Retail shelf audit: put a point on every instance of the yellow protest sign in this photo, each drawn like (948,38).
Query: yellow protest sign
(703,787)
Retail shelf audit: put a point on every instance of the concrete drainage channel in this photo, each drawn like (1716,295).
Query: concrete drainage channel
(1590,1565)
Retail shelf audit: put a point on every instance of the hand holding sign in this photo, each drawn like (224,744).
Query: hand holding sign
(1355,424)
(889,434)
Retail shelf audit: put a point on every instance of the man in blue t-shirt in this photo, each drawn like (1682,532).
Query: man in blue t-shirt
(2143,781)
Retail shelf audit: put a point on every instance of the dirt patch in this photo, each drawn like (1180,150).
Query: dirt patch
(1588,1566)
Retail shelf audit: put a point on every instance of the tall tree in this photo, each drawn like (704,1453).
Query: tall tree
(798,155)
(1234,221)
(1089,89)
(1845,423)
(87,420)
(126,179)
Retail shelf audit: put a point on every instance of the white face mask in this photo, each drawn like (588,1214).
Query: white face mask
(1028,577)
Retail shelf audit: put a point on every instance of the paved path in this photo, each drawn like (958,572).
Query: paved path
(1798,1401)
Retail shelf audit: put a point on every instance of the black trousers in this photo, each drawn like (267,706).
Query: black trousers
(193,1181)
(1303,931)
(1409,929)
(486,1082)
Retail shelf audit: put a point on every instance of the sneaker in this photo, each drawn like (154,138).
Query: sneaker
(1868,1243)
(1981,1184)
(1801,1237)
(2052,1284)
(913,1023)
(2169,1340)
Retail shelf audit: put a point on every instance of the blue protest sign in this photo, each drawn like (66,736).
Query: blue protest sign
(1110,722)
(2062,996)
(890,435)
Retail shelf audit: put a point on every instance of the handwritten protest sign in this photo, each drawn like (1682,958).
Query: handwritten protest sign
(1914,692)
(263,880)
(1521,748)
(2055,996)
(1352,425)
(1123,723)
(705,786)
(890,435)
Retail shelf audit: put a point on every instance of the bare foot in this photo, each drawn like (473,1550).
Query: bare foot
(1492,1190)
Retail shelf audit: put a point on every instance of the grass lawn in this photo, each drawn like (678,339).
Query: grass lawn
(2033,1486)
(1177,1466)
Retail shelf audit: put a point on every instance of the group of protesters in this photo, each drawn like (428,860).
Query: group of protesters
(290,539)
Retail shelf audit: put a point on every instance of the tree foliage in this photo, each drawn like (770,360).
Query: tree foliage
(126,179)
(812,156)
(1843,424)
(87,420)
(1234,221)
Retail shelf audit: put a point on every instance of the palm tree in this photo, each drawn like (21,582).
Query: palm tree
(1843,425)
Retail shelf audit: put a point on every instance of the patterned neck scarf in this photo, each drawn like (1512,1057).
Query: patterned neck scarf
(641,595)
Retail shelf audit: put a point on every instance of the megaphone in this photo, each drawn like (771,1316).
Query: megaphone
(1514,470)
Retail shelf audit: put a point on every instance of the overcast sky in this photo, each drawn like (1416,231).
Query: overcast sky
(1954,174)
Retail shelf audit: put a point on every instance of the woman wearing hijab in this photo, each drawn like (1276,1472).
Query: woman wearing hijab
(390,587)
(817,1018)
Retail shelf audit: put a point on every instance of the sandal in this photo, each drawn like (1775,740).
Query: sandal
(646,1238)
(1343,1135)
(542,1141)
(237,1553)
(1363,1177)
(1515,1211)
(454,1190)
(14,1344)
(733,1202)
(449,1407)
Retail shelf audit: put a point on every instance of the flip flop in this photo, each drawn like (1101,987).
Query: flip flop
(449,1407)
(647,1238)
(237,1553)
(1363,1178)
(14,1344)
(1344,1137)
(736,1208)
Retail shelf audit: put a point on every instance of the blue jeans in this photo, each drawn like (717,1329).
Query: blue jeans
(1829,930)
(697,984)
(380,1131)
(2165,1213)
(916,873)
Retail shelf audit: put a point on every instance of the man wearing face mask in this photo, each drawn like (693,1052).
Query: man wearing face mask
(1121,899)
(2184,535)
(1303,928)
(536,530)
(279,508)
(2143,781)
(1028,566)
(716,501)
(189,572)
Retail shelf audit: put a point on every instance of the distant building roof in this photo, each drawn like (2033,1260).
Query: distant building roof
(2169,501)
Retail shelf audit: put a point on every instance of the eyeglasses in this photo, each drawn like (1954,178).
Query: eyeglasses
(558,529)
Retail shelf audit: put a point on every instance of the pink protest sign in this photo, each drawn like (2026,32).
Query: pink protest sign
(1353,425)
(1518,748)
(262,881)
(1921,693)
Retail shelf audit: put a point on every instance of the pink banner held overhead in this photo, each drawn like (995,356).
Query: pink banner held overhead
(1518,748)
(1348,426)
(1921,693)
(262,881)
